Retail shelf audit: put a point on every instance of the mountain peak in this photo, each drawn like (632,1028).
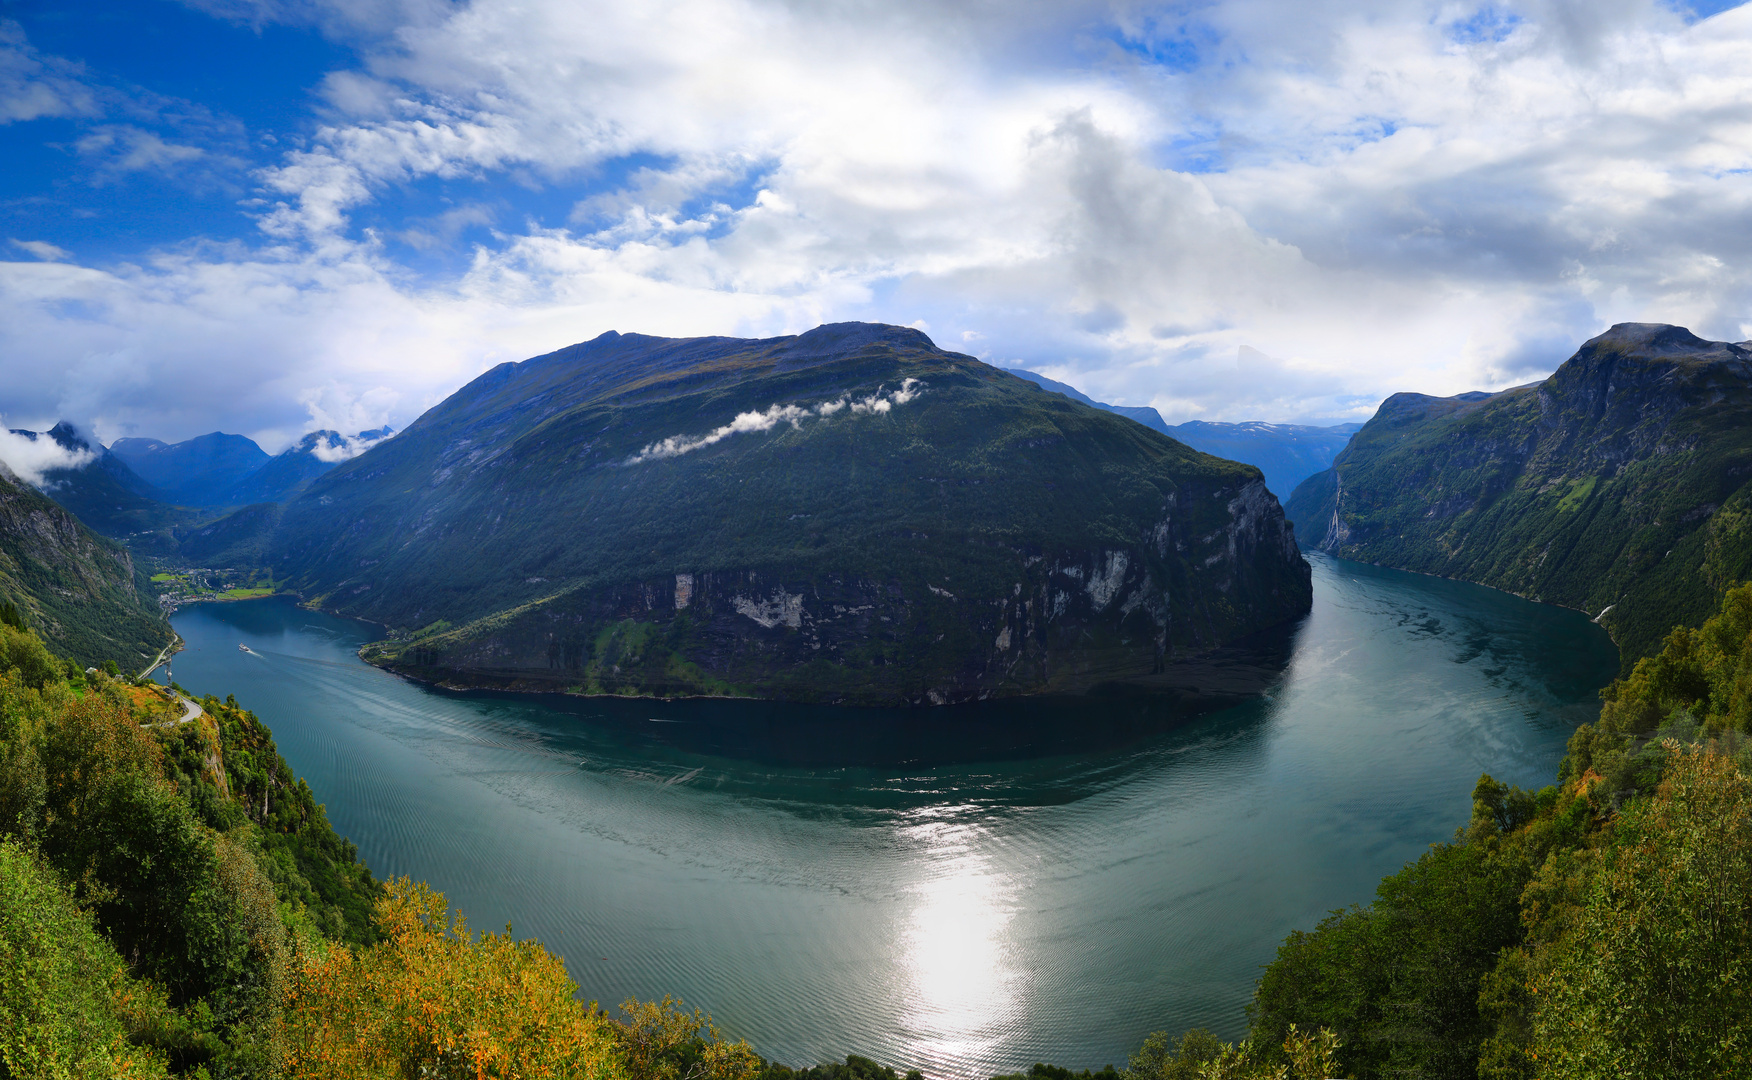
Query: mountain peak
(838,339)
(1661,340)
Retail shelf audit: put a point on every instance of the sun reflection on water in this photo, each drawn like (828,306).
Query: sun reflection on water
(964,994)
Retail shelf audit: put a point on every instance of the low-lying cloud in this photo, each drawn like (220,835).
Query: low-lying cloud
(31,459)
(334,448)
(774,415)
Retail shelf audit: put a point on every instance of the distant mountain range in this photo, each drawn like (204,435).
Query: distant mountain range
(231,470)
(155,495)
(848,515)
(1621,485)
(1286,453)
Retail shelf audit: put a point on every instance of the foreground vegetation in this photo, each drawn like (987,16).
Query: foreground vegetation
(173,902)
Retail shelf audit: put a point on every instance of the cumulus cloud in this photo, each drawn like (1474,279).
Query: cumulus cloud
(31,456)
(774,415)
(1307,206)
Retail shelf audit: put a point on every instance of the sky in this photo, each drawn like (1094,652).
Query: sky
(272,216)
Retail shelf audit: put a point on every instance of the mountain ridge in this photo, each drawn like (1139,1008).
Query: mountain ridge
(1620,486)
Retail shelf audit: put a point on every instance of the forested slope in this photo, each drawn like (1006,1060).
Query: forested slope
(1621,485)
(82,592)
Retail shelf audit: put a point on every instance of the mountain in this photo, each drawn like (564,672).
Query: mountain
(196,472)
(1143,414)
(1621,485)
(1286,453)
(106,494)
(79,591)
(291,470)
(847,515)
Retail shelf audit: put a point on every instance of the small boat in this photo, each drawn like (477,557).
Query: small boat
(244,648)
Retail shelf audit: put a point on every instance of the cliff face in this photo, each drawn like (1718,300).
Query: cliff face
(79,591)
(1618,486)
(850,515)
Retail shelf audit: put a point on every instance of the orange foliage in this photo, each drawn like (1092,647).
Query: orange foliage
(432,999)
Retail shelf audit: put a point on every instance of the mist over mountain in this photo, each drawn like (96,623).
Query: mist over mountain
(1286,453)
(103,491)
(1621,485)
(292,470)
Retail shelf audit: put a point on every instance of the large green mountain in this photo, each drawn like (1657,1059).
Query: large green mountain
(848,515)
(79,591)
(1621,485)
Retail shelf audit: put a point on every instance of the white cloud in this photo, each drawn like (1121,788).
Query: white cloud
(33,85)
(343,448)
(29,459)
(773,416)
(1371,196)
(43,250)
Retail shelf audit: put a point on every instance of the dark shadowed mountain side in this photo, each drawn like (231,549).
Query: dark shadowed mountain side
(850,515)
(1286,453)
(80,592)
(108,496)
(197,472)
(1621,485)
(291,471)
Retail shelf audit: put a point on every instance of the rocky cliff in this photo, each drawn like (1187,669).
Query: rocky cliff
(1621,485)
(848,515)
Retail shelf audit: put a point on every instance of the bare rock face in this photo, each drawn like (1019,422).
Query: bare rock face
(852,515)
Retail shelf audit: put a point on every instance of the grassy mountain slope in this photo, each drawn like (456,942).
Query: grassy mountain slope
(1622,482)
(81,592)
(849,515)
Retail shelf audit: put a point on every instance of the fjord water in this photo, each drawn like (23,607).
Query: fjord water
(963,891)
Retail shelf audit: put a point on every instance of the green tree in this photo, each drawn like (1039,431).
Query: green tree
(1653,980)
(67,1005)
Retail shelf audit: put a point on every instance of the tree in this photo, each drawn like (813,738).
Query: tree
(1653,980)
(432,999)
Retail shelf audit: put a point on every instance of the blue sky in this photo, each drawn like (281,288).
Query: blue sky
(271,215)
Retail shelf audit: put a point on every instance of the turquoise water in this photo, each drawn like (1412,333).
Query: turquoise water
(965,892)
